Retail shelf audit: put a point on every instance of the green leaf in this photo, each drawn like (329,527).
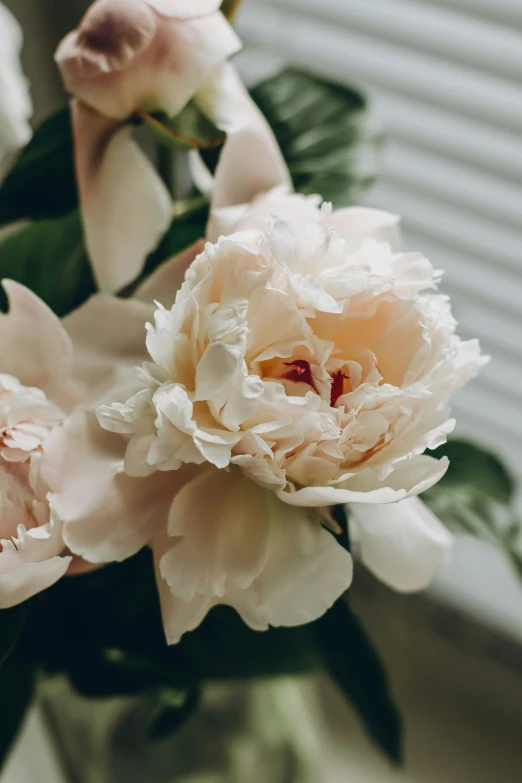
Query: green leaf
(16,691)
(352,661)
(173,709)
(42,182)
(475,498)
(186,228)
(49,258)
(329,137)
(472,494)
(11,623)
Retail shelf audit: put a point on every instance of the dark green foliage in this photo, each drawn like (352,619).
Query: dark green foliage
(42,182)
(352,661)
(329,137)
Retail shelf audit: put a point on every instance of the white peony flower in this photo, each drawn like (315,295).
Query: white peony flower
(305,362)
(15,102)
(35,359)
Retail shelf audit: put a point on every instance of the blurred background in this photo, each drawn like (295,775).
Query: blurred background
(445,77)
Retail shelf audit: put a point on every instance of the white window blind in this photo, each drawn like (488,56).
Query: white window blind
(446,79)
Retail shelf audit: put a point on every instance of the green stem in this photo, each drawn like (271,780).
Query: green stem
(166,162)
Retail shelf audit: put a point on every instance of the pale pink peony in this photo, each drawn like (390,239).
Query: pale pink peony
(304,363)
(35,364)
(151,55)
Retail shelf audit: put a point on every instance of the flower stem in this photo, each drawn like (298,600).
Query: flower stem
(230,8)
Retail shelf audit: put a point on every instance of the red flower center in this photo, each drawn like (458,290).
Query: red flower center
(301,372)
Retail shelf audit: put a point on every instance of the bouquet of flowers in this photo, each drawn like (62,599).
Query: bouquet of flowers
(216,395)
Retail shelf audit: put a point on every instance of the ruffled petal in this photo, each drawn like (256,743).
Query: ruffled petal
(221,522)
(126,209)
(403,544)
(232,542)
(410,477)
(34,347)
(355,224)
(251,161)
(107,515)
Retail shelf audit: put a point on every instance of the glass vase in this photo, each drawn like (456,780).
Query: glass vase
(253,732)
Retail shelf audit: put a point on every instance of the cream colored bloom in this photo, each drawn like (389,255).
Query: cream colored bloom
(306,361)
(35,362)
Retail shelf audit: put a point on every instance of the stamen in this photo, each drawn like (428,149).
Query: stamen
(301,373)
(337,388)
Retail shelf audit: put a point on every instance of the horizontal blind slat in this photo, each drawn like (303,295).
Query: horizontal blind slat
(350,56)
(448,34)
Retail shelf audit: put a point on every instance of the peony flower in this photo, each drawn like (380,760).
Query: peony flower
(35,362)
(305,362)
(15,103)
(129,56)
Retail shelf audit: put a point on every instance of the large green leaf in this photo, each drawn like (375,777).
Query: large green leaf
(477,485)
(42,182)
(16,691)
(475,497)
(49,257)
(329,136)
(354,664)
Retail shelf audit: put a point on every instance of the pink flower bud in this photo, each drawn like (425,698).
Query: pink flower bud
(144,54)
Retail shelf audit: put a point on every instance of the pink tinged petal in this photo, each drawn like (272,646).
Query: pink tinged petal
(34,346)
(403,544)
(107,515)
(111,35)
(410,477)
(220,526)
(251,161)
(108,335)
(130,55)
(27,579)
(355,224)
(178,616)
(126,209)
(164,283)
(306,571)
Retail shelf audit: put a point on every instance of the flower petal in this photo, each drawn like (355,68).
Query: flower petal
(236,544)
(403,544)
(409,478)
(15,102)
(22,582)
(34,346)
(355,224)
(130,55)
(221,522)
(126,208)
(107,515)
(164,283)
(251,161)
